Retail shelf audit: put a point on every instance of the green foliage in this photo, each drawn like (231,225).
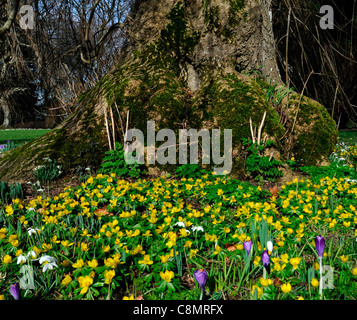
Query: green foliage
(261,167)
(114,162)
(48,172)
(9,146)
(334,170)
(10,191)
(275,94)
(190,171)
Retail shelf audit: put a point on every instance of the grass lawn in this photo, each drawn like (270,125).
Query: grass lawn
(20,136)
(348,137)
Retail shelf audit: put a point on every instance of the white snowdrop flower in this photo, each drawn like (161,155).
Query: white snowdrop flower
(48,263)
(194,228)
(47,258)
(32,254)
(270,246)
(49,266)
(21,259)
(32,231)
(180,224)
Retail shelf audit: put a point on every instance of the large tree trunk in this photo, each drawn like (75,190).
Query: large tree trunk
(187,65)
(234,34)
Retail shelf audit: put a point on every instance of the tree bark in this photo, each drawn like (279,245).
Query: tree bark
(236,37)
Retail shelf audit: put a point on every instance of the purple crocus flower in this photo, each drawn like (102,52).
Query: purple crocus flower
(247,245)
(15,290)
(265,258)
(201,278)
(320,245)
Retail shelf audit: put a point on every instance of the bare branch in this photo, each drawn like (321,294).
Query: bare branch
(13,7)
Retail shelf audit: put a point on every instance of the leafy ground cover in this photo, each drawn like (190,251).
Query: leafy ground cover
(115,238)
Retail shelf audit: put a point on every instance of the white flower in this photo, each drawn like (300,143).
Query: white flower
(180,224)
(47,258)
(49,266)
(33,254)
(48,263)
(21,259)
(270,246)
(194,228)
(33,231)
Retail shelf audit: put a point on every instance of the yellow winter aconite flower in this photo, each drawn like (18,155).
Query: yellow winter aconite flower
(66,243)
(256,260)
(354,271)
(78,264)
(344,258)
(218,249)
(314,282)
(286,287)
(257,289)
(265,282)
(295,262)
(7,259)
(83,246)
(93,263)
(165,258)
(128,298)
(46,247)
(9,210)
(167,276)
(146,260)
(66,280)
(147,234)
(188,244)
(105,249)
(193,253)
(84,283)
(109,275)
(113,262)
